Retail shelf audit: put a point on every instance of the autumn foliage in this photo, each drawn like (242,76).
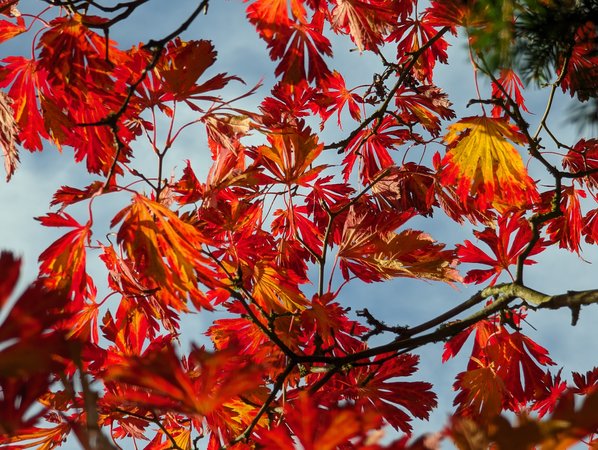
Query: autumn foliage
(286,220)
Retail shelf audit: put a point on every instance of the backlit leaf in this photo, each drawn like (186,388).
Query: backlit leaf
(167,250)
(507,242)
(485,166)
(373,252)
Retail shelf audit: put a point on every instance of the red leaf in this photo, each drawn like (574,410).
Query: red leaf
(366,22)
(567,228)
(314,427)
(63,262)
(199,385)
(301,50)
(335,96)
(410,36)
(424,105)
(580,74)
(373,251)
(167,250)
(505,247)
(9,8)
(583,157)
(68,195)
(288,103)
(290,155)
(501,363)
(587,383)
(590,226)
(511,85)
(375,388)
(75,56)
(372,148)
(26,79)
(10,268)
(8,30)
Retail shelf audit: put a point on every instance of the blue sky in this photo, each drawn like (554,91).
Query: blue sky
(398,302)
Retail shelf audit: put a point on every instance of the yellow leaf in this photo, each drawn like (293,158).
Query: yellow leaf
(273,289)
(485,166)
(166,251)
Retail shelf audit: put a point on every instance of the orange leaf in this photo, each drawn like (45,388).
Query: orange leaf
(481,392)
(167,251)
(374,253)
(483,164)
(25,78)
(8,30)
(198,386)
(64,261)
(274,288)
(291,154)
(315,428)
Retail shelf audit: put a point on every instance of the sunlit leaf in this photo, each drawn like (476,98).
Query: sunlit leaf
(485,166)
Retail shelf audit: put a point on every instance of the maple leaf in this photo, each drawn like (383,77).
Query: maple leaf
(8,30)
(8,135)
(423,105)
(332,196)
(512,357)
(375,389)
(406,187)
(334,98)
(583,157)
(42,438)
(300,50)
(310,427)
(64,261)
(68,195)
(290,155)
(448,13)
(410,35)
(567,228)
(180,68)
(482,163)
(200,385)
(370,146)
(168,250)
(243,334)
(511,86)
(481,393)
(183,64)
(75,57)
(271,17)
(139,291)
(226,130)
(373,251)
(25,78)
(287,103)
(189,188)
(507,242)
(587,383)
(292,223)
(9,8)
(274,288)
(555,389)
(366,22)
(590,226)
(327,326)
(31,350)
(580,74)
